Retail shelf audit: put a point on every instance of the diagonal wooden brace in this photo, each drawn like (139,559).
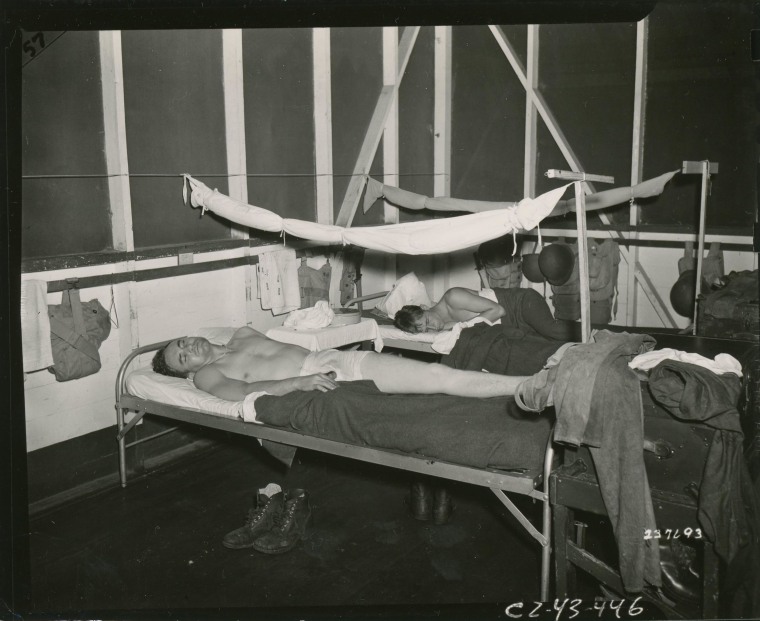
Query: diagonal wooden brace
(375,132)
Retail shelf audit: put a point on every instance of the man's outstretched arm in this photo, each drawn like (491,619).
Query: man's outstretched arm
(214,382)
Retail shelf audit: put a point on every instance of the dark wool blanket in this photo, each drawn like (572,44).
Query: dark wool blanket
(493,349)
(483,433)
(528,314)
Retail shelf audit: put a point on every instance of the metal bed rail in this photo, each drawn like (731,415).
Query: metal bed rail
(122,426)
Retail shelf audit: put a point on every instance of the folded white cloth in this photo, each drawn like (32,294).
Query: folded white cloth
(444,342)
(278,281)
(406,290)
(249,407)
(35,326)
(318,316)
(722,364)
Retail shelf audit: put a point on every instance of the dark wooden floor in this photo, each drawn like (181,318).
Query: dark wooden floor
(156,544)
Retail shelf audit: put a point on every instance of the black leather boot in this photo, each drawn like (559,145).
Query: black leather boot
(259,521)
(680,580)
(289,526)
(442,506)
(421,501)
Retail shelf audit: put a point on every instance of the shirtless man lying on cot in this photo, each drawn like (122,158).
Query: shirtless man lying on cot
(528,312)
(457,304)
(252,362)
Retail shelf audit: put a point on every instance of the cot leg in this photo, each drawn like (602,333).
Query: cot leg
(122,447)
(561,565)
(546,550)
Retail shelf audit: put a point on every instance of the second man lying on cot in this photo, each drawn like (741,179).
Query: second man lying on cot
(520,308)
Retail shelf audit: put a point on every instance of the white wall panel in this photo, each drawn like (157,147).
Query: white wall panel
(175,306)
(166,307)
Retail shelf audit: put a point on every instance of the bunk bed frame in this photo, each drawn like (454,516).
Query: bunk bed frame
(532,484)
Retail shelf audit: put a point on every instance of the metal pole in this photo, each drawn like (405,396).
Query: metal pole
(701,248)
(580,219)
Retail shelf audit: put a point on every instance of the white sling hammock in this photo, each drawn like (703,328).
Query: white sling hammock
(491,220)
(427,237)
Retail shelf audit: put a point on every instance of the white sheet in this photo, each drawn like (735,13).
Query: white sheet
(147,384)
(392,332)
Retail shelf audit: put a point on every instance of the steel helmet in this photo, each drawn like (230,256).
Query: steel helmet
(556,263)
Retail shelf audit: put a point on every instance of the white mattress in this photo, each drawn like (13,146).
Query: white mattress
(331,336)
(392,332)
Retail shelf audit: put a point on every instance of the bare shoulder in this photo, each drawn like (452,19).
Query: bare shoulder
(458,293)
(207,377)
(244,332)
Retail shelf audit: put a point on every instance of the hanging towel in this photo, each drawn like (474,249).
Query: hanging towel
(278,281)
(35,326)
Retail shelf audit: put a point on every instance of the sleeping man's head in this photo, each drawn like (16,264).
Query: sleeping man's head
(183,356)
(414,319)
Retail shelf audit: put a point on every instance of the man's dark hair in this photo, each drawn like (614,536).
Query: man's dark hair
(406,319)
(160,365)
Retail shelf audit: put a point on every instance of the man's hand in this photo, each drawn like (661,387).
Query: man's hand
(319,381)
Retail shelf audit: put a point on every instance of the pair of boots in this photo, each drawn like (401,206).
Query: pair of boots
(430,502)
(275,525)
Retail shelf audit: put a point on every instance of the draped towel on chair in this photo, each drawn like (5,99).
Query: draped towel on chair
(427,237)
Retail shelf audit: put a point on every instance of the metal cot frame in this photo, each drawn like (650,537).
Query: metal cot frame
(534,485)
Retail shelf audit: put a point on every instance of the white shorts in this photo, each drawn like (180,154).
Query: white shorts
(346,364)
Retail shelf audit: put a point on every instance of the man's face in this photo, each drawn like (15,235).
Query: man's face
(188,354)
(428,323)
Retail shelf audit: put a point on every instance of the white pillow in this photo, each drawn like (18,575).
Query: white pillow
(220,336)
(406,290)
(147,384)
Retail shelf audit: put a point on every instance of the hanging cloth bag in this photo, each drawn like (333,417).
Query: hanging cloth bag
(76,331)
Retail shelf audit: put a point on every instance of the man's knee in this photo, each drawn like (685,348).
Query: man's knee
(438,371)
